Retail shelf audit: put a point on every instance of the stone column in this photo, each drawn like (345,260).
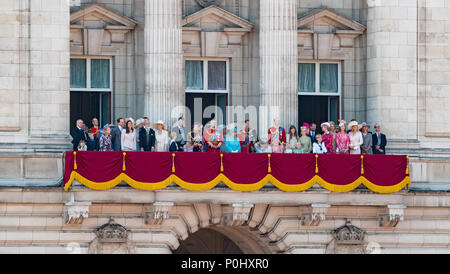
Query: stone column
(392,68)
(278,53)
(163,60)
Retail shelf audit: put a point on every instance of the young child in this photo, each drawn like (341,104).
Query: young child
(262,146)
(82,146)
(276,147)
(188,147)
(319,146)
(298,148)
(173,146)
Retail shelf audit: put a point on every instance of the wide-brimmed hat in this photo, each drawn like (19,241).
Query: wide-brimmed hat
(160,122)
(354,123)
(305,125)
(364,124)
(325,124)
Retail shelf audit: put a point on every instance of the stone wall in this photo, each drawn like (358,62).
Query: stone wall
(37,220)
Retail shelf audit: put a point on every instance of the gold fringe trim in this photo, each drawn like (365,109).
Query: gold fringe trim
(235,186)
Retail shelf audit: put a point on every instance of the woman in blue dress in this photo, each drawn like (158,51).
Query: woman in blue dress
(232,142)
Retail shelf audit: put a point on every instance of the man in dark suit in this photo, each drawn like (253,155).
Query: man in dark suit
(379,141)
(92,142)
(312,132)
(147,136)
(116,134)
(181,133)
(78,134)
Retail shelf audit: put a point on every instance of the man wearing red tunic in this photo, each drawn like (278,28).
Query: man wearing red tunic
(212,138)
(246,137)
(277,132)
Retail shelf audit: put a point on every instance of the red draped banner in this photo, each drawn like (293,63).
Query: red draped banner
(239,171)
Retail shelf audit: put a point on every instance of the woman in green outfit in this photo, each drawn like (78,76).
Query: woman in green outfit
(305,141)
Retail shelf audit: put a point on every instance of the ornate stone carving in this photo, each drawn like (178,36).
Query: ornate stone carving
(241,213)
(314,215)
(159,213)
(112,232)
(348,234)
(207,3)
(112,238)
(75,212)
(391,215)
(96,30)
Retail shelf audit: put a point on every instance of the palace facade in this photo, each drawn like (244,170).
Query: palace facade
(379,61)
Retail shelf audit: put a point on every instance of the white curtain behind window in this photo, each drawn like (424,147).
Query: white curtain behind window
(78,73)
(306,77)
(217,75)
(194,75)
(100,73)
(328,77)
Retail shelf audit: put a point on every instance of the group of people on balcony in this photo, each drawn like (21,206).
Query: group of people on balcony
(129,135)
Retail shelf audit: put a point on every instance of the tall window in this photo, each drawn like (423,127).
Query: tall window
(206,76)
(319,89)
(90,89)
(90,74)
(320,77)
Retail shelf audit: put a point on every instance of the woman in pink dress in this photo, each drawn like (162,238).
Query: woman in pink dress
(342,139)
(327,137)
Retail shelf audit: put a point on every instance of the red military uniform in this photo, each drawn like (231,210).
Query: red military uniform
(212,136)
(280,133)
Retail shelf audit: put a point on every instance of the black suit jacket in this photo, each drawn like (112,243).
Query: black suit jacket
(383,143)
(93,145)
(77,135)
(147,141)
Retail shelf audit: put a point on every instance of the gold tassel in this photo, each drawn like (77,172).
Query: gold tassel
(221,162)
(173,162)
(269,169)
(407,165)
(123,166)
(317,166)
(75,160)
(362,165)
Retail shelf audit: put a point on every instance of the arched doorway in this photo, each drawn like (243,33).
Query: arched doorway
(222,240)
(208,241)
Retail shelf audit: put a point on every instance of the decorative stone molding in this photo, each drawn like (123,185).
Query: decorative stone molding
(348,234)
(391,215)
(112,232)
(315,214)
(97,30)
(326,34)
(75,212)
(240,213)
(112,238)
(159,213)
(213,32)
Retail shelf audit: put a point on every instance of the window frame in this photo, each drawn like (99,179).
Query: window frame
(205,75)
(317,92)
(88,74)
(317,80)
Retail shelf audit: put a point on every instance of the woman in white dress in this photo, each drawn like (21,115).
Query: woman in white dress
(356,139)
(161,136)
(128,138)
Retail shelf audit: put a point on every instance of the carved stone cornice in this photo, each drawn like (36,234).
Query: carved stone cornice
(76,212)
(315,214)
(159,213)
(391,215)
(97,30)
(240,214)
(200,39)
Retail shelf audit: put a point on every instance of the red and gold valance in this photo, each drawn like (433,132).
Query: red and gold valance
(242,172)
